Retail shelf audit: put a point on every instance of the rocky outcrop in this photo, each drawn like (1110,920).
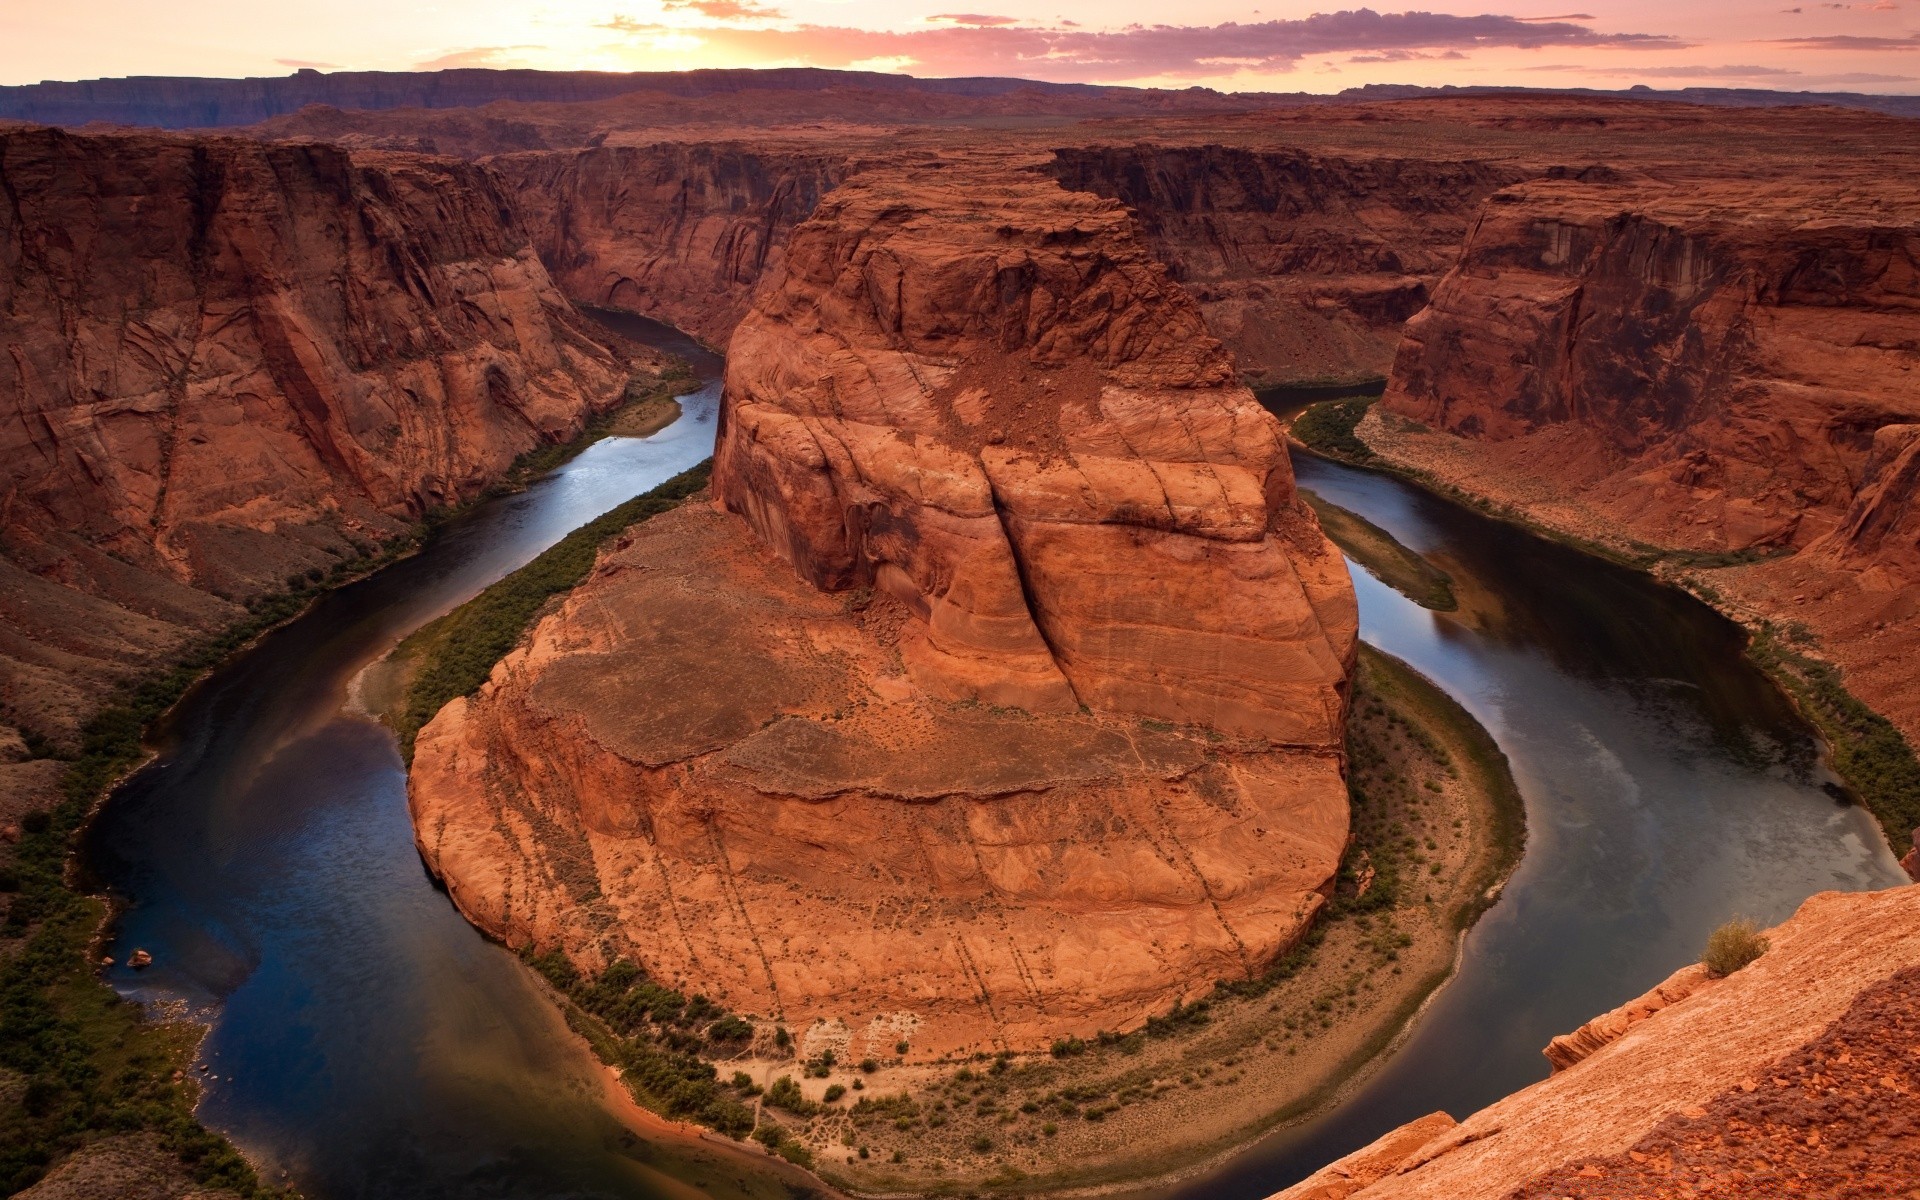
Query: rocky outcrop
(1727,358)
(1008,707)
(1569,1048)
(978,393)
(1729,370)
(1793,1076)
(1306,265)
(227,363)
(678,231)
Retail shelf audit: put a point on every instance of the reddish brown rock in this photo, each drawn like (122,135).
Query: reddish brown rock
(1727,369)
(1793,1076)
(679,231)
(230,362)
(988,401)
(967,734)
(1306,265)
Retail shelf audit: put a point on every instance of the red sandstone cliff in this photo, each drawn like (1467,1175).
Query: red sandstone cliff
(678,231)
(1795,1076)
(1306,265)
(226,363)
(1013,708)
(1714,367)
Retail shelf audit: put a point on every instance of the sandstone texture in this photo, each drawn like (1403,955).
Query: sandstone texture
(1728,372)
(1007,708)
(1306,265)
(1796,1075)
(227,363)
(677,231)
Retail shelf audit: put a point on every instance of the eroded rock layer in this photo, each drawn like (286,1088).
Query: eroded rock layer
(1305,265)
(227,363)
(680,231)
(1794,1076)
(1011,710)
(1726,369)
(977,392)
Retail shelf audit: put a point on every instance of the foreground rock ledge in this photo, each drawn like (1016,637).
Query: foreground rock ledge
(1021,715)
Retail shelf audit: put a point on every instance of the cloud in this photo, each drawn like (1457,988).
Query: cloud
(1149,51)
(477,56)
(1845,41)
(1393,56)
(1561,17)
(1676,72)
(307,64)
(722,10)
(981,19)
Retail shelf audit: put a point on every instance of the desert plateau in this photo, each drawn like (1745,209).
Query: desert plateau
(809,603)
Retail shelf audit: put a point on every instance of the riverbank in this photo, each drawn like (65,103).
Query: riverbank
(1874,759)
(89,1082)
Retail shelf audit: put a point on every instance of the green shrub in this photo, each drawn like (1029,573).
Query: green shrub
(1733,946)
(1328,427)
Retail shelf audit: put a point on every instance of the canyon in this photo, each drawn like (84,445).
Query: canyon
(965,787)
(230,364)
(937,769)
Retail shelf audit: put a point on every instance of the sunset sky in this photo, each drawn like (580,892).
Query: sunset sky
(1870,46)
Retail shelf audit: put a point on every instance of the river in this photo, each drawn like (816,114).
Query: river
(366,1042)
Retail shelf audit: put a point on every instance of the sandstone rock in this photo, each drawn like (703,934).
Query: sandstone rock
(233,362)
(977,392)
(1306,265)
(1726,1079)
(1371,1163)
(677,231)
(1012,709)
(1569,1048)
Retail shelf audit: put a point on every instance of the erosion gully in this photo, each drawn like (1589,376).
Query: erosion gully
(365,1041)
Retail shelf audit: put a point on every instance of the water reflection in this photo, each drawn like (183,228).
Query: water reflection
(1669,786)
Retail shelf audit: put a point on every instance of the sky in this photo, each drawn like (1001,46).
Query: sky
(1792,45)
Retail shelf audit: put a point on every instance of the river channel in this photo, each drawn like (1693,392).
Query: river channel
(365,1042)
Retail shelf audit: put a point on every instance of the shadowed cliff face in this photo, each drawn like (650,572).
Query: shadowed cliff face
(677,231)
(1305,265)
(1034,731)
(228,362)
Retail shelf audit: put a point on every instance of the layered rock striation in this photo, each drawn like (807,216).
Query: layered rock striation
(680,231)
(227,363)
(1001,702)
(1726,370)
(1305,264)
(1793,1076)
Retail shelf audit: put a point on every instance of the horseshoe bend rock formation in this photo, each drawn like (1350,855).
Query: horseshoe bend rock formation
(1010,710)
(1796,1075)
(228,362)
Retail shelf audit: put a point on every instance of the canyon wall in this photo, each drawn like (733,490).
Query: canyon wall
(1796,1075)
(1008,707)
(1306,265)
(677,231)
(227,363)
(1725,371)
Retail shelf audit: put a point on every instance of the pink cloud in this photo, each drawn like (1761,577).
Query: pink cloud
(974,19)
(1140,51)
(1842,41)
(723,10)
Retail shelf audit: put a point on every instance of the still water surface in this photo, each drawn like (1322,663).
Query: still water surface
(369,1043)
